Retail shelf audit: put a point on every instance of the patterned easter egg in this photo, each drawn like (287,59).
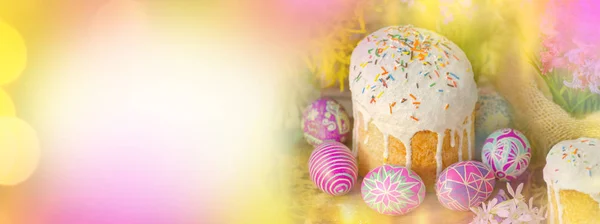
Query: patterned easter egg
(392,190)
(464,184)
(333,168)
(325,119)
(507,152)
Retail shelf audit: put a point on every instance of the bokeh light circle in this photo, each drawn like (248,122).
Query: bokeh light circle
(13,54)
(7,108)
(19,150)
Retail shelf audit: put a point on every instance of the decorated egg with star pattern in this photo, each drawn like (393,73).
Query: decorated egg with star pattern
(325,119)
(464,184)
(507,152)
(393,190)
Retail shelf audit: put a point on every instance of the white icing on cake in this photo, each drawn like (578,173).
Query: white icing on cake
(406,80)
(573,165)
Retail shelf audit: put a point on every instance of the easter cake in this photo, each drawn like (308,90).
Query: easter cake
(572,175)
(413,96)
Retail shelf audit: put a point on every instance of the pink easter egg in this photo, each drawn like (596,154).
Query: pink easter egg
(333,168)
(507,151)
(464,184)
(392,190)
(325,119)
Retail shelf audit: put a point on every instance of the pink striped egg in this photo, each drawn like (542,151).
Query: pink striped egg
(333,168)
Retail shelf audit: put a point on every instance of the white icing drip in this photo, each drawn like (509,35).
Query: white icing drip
(574,165)
(597,198)
(438,152)
(460,144)
(550,204)
(408,148)
(558,205)
(469,138)
(386,151)
(452,138)
(367,140)
(366,118)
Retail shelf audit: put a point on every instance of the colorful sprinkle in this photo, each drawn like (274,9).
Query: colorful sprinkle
(413,96)
(589,169)
(391,106)
(452,74)
(358,77)
(446,107)
(414,118)
(385,72)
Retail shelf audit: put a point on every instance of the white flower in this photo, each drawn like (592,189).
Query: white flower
(510,211)
(515,194)
(484,214)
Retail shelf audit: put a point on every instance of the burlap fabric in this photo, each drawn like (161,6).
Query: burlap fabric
(544,122)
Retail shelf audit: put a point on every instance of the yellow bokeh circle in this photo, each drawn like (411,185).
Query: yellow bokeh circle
(7,108)
(13,54)
(19,151)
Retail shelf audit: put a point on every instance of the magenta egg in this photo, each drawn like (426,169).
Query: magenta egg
(325,119)
(464,184)
(507,151)
(333,168)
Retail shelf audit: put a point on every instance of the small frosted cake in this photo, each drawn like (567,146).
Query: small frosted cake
(572,175)
(413,96)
